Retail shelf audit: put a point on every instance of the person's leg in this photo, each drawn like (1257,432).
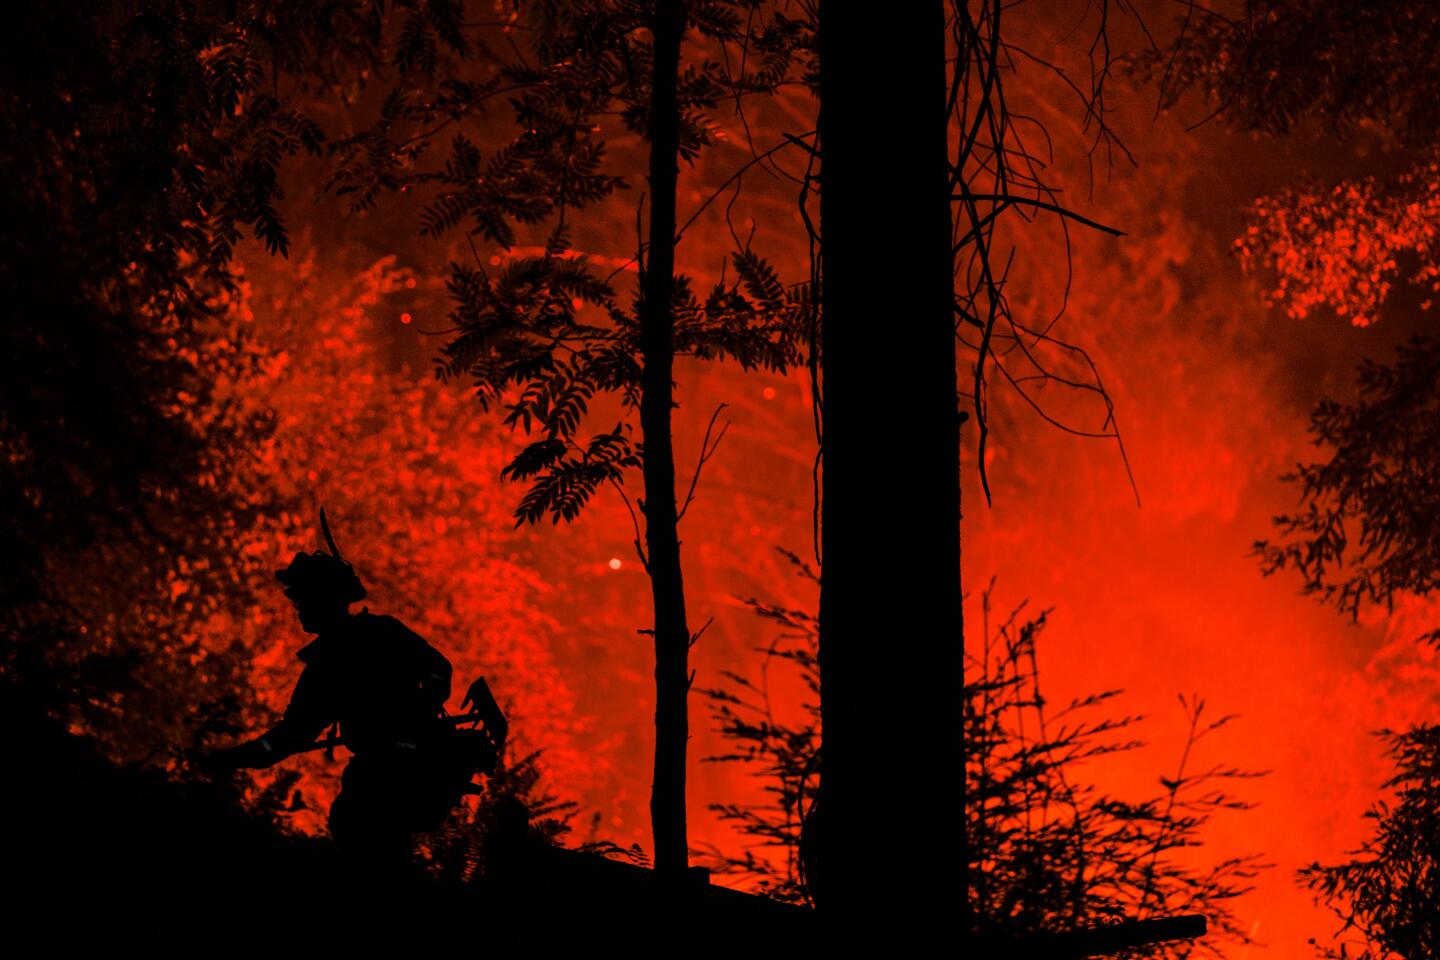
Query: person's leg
(367,825)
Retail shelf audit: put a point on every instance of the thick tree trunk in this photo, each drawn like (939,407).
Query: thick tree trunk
(657,346)
(890,817)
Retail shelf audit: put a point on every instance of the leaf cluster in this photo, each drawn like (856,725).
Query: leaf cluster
(545,334)
(513,809)
(585,63)
(1051,853)
(1364,77)
(783,753)
(1365,529)
(1271,67)
(1385,893)
(1046,851)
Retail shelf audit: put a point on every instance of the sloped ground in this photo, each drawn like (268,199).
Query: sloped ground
(123,859)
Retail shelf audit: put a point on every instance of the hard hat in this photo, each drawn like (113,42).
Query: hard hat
(321,574)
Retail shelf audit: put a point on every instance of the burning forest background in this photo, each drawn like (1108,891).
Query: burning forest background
(313,380)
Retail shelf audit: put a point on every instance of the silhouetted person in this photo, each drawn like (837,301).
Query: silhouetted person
(386,688)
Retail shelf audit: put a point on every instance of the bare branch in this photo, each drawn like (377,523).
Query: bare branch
(707,450)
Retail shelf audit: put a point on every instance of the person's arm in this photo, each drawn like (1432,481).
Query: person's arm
(310,711)
(306,717)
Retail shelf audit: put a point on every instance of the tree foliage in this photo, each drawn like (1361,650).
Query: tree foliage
(1386,893)
(1047,851)
(1345,246)
(514,809)
(158,438)
(1050,852)
(1369,513)
(1367,77)
(1274,66)
(143,139)
(782,752)
(547,333)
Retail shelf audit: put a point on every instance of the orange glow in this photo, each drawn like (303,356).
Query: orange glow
(1212,391)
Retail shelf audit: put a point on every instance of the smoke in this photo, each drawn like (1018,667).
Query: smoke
(1212,393)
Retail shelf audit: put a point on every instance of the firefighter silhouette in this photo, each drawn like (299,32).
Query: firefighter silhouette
(380,689)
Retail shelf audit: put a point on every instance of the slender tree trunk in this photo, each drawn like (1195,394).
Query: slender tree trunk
(657,345)
(890,813)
